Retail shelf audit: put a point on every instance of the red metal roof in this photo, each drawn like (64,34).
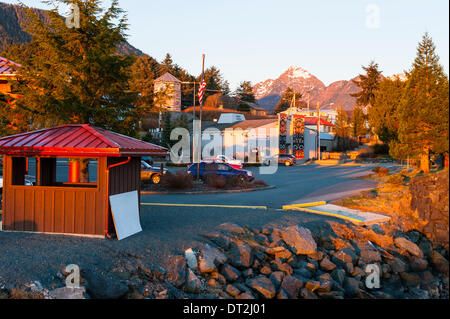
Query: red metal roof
(7,67)
(77,140)
(313,121)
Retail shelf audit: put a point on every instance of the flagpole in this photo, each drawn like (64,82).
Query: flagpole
(200,131)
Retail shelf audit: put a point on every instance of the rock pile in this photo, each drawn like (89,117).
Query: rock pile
(312,261)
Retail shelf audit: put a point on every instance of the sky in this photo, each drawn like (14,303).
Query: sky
(254,40)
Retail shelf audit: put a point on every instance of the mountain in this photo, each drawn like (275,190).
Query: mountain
(337,94)
(269,92)
(12,20)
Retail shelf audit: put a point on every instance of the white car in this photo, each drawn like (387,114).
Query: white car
(229,160)
(1,182)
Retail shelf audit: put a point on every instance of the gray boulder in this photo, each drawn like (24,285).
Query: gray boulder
(100,286)
(241,255)
(193,283)
(408,246)
(291,285)
(299,240)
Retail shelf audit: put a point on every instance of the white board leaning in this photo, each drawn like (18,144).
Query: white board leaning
(125,212)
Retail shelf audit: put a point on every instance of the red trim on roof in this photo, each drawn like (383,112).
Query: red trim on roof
(77,140)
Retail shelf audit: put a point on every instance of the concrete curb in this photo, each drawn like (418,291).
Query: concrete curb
(211,192)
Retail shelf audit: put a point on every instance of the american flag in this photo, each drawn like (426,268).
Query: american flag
(201,90)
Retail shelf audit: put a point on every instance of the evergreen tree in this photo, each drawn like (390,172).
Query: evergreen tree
(143,73)
(358,122)
(368,83)
(75,75)
(166,65)
(214,82)
(167,129)
(342,128)
(245,92)
(286,101)
(383,113)
(243,107)
(423,113)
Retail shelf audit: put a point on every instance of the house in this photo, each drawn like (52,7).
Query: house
(8,72)
(168,92)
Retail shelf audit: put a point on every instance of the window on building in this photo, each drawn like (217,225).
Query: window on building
(24,171)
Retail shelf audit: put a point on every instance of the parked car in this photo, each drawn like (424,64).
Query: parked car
(235,164)
(231,161)
(149,172)
(220,169)
(285,159)
(148,160)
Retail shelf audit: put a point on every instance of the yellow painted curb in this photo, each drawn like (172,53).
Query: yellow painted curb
(307,204)
(356,221)
(203,205)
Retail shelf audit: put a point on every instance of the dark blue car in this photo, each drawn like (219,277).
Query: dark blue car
(220,169)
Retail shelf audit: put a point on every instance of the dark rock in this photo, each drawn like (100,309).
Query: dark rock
(232,291)
(291,285)
(410,279)
(339,276)
(231,228)
(305,293)
(263,286)
(230,273)
(265,270)
(439,263)
(418,264)
(299,240)
(408,246)
(352,286)
(278,265)
(417,293)
(386,271)
(262,239)
(377,229)
(426,246)
(330,294)
(370,256)
(427,278)
(303,272)
(312,285)
(193,283)
(348,268)
(177,273)
(100,286)
(246,295)
(221,240)
(341,257)
(358,272)
(212,257)
(282,294)
(413,235)
(241,255)
(327,265)
(326,283)
(277,278)
(247,273)
(397,265)
(317,256)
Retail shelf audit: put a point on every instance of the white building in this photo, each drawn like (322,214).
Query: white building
(168,92)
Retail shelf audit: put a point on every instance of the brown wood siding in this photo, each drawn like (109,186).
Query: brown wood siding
(55,209)
(122,179)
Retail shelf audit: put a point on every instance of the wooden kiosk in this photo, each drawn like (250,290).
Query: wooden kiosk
(59,180)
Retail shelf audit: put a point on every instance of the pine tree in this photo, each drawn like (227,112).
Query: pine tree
(368,83)
(75,75)
(383,113)
(286,100)
(423,113)
(245,92)
(358,122)
(342,128)
(167,129)
(166,65)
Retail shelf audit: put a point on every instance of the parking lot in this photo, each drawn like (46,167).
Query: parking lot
(168,230)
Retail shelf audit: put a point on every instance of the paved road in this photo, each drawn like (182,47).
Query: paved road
(293,185)
(168,231)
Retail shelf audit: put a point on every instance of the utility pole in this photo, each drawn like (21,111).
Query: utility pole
(318,131)
(200,130)
(309,91)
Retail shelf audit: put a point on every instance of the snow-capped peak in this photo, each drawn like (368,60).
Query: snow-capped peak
(297,72)
(401,76)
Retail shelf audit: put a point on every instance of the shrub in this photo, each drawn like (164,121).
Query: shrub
(258,183)
(179,180)
(381,171)
(216,181)
(365,153)
(396,179)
